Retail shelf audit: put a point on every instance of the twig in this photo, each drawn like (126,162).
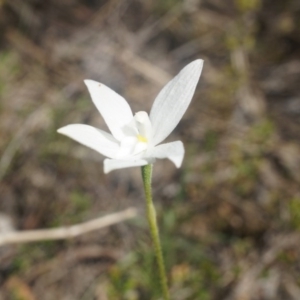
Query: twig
(144,67)
(66,232)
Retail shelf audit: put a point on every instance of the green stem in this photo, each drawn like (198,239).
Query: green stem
(151,215)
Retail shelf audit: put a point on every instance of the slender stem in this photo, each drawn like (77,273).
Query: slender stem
(151,215)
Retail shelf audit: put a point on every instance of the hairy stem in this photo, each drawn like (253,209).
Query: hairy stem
(151,215)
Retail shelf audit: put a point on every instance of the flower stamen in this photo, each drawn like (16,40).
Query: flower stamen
(142,139)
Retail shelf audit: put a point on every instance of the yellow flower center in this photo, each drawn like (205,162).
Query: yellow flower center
(142,139)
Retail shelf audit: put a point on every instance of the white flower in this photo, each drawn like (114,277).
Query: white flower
(135,138)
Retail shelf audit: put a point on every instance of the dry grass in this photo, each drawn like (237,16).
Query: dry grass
(234,207)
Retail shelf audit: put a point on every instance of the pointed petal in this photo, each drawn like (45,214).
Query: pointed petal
(113,164)
(93,138)
(174,151)
(173,100)
(114,108)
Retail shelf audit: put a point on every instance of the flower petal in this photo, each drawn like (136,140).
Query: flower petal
(114,108)
(173,100)
(174,151)
(143,125)
(127,146)
(113,164)
(93,138)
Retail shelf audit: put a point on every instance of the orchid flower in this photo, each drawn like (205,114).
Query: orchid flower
(135,139)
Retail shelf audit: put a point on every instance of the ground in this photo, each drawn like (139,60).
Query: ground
(229,218)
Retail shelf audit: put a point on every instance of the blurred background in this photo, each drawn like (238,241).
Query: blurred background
(230,217)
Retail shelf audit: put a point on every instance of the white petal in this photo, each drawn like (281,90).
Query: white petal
(174,151)
(93,138)
(140,147)
(113,164)
(114,108)
(143,125)
(127,146)
(173,100)
(130,129)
